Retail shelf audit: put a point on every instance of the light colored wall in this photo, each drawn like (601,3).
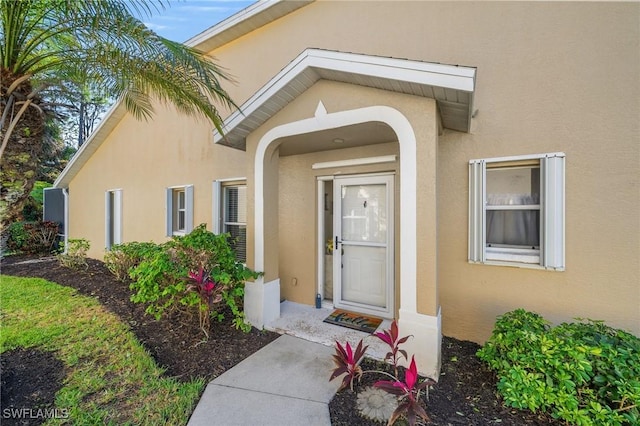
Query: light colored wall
(295,256)
(143,158)
(552,76)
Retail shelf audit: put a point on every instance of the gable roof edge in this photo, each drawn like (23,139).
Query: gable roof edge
(243,22)
(105,127)
(452,86)
(254,16)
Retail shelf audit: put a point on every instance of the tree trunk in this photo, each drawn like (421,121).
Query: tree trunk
(22,155)
(81,124)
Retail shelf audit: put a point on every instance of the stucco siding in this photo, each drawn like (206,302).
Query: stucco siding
(143,159)
(551,77)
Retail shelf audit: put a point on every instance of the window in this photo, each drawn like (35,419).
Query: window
(179,210)
(230,214)
(516,211)
(179,218)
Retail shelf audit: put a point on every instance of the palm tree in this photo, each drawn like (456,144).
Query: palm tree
(47,45)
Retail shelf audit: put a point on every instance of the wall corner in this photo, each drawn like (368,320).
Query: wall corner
(426,343)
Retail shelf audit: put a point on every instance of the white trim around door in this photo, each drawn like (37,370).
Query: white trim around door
(363,249)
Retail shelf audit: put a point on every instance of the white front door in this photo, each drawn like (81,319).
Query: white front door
(363,272)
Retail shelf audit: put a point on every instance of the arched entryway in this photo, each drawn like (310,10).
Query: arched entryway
(262,299)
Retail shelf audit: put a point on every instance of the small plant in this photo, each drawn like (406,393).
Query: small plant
(123,257)
(584,373)
(348,363)
(32,237)
(329,246)
(209,293)
(407,392)
(392,339)
(178,275)
(75,256)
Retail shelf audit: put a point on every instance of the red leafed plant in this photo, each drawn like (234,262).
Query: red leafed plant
(409,394)
(407,391)
(208,291)
(348,362)
(391,338)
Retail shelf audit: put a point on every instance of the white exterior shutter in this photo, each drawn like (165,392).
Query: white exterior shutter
(112,218)
(216,207)
(117,219)
(169,209)
(107,220)
(552,247)
(188,220)
(476,211)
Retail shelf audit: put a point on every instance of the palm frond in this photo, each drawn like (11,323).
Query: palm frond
(101,42)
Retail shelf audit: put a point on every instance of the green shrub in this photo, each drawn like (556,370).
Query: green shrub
(122,257)
(585,373)
(76,253)
(161,279)
(17,236)
(32,237)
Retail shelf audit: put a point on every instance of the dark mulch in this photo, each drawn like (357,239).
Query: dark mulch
(30,379)
(176,342)
(465,394)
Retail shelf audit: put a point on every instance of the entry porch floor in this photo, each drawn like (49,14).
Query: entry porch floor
(305,322)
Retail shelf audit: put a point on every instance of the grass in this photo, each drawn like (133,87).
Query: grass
(110,378)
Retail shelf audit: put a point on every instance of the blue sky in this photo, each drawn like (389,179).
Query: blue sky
(183,19)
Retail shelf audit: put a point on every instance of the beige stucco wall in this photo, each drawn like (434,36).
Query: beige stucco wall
(551,77)
(561,76)
(292,252)
(143,158)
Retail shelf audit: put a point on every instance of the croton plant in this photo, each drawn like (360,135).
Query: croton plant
(407,391)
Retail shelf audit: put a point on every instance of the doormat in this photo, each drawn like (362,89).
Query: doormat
(359,322)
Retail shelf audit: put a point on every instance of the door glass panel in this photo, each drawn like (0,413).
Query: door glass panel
(364,275)
(364,213)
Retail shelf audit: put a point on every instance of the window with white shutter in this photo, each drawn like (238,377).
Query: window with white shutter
(179,210)
(516,211)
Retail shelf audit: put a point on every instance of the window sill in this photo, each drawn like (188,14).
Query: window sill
(178,233)
(518,265)
(527,256)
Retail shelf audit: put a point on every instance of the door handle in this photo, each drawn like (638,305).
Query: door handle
(335,246)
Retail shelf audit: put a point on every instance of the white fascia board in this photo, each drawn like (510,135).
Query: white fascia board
(250,106)
(446,76)
(91,145)
(233,20)
(244,21)
(429,73)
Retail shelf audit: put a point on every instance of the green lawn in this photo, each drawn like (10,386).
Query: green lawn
(110,379)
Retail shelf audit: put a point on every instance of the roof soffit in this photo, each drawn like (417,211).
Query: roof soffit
(452,86)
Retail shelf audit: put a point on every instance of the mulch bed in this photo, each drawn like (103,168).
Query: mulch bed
(464,395)
(30,379)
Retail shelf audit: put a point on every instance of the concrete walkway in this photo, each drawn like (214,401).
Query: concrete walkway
(284,383)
